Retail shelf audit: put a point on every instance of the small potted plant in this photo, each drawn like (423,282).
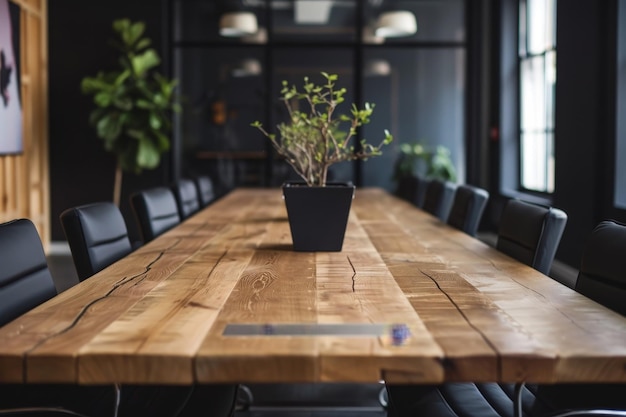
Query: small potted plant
(313,139)
(436,162)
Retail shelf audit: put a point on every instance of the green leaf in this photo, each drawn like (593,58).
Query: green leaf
(103,99)
(155,121)
(123,103)
(143,62)
(121,78)
(148,155)
(108,127)
(142,44)
(145,104)
(162,142)
(121,25)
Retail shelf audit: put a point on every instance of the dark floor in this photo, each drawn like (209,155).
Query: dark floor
(266,400)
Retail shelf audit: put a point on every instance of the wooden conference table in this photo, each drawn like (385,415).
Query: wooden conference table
(223,298)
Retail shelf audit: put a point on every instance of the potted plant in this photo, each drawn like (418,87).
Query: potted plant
(313,139)
(418,160)
(133,104)
(435,163)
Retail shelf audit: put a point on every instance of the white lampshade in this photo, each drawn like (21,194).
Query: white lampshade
(370,37)
(247,68)
(237,24)
(259,37)
(377,68)
(394,24)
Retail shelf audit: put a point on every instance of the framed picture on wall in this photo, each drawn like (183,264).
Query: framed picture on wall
(10,102)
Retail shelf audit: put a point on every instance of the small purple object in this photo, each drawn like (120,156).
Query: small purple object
(399,333)
(268,329)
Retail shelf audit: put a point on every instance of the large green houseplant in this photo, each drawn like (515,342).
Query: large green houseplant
(133,104)
(314,138)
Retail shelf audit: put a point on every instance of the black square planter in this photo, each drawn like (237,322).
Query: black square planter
(318,216)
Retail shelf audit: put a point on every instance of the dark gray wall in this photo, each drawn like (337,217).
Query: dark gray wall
(80,170)
(582,120)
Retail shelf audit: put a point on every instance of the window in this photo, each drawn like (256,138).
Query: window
(537,75)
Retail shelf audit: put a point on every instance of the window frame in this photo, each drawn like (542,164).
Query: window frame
(525,54)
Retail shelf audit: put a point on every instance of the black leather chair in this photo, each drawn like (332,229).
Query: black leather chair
(438,198)
(602,274)
(420,191)
(206,192)
(406,187)
(467,208)
(155,211)
(97,236)
(186,195)
(25,280)
(412,188)
(531,233)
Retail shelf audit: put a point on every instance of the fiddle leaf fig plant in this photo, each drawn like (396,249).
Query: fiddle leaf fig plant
(133,104)
(315,138)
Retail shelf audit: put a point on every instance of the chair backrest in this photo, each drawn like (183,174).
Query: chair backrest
(531,233)
(25,280)
(412,188)
(602,275)
(438,198)
(97,236)
(186,195)
(420,191)
(467,208)
(155,211)
(206,194)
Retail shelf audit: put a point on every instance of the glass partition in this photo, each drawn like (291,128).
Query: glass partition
(223,91)
(419,96)
(416,81)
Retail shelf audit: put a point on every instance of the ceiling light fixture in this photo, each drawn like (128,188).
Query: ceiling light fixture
(238,24)
(247,68)
(369,36)
(259,37)
(395,24)
(377,68)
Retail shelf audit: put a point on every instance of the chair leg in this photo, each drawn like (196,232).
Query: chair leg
(60,410)
(383,397)
(588,413)
(519,388)
(244,398)
(118,398)
(36,410)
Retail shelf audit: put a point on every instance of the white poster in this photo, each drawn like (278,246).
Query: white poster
(10,106)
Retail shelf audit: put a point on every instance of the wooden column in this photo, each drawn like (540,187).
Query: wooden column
(24,178)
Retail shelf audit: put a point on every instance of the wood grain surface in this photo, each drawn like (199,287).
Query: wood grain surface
(158,315)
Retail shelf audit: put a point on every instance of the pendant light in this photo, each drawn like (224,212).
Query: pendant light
(238,24)
(394,24)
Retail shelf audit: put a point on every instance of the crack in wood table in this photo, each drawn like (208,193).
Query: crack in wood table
(166,312)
